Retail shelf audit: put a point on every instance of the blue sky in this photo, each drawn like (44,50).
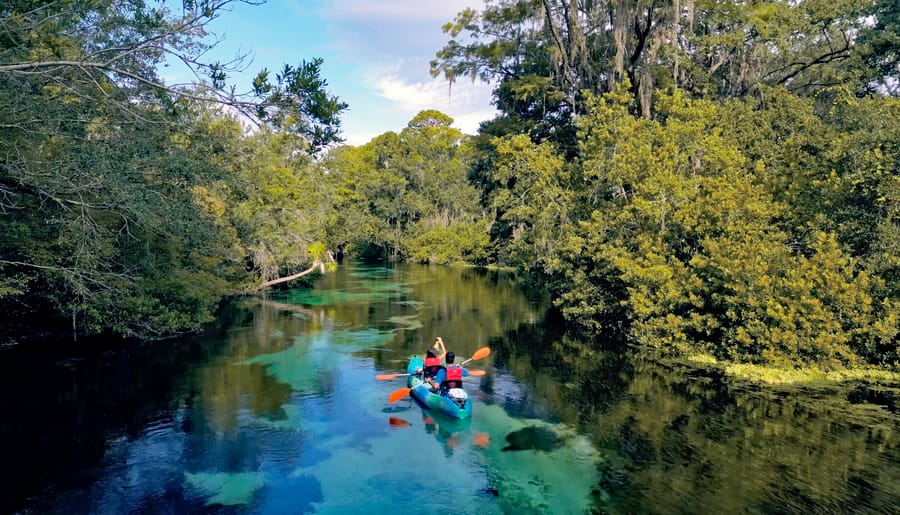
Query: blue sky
(376,56)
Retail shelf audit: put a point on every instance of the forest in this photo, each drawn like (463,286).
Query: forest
(708,177)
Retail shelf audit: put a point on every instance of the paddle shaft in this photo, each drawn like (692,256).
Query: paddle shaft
(391,376)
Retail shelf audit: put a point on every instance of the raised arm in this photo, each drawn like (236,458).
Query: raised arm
(439,344)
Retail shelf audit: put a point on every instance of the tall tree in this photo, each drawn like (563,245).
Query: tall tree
(543,54)
(409,193)
(880,47)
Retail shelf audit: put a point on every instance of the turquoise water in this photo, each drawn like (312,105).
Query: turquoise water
(278,411)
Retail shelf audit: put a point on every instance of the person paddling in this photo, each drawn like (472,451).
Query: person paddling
(449,380)
(434,361)
(403,392)
(434,358)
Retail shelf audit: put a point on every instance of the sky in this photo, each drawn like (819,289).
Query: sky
(376,57)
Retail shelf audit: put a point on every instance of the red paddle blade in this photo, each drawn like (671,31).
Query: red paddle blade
(399,394)
(398,422)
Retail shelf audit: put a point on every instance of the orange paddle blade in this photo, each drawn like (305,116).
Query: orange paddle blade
(477,372)
(382,377)
(480,353)
(399,394)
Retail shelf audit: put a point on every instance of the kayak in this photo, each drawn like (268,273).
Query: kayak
(443,404)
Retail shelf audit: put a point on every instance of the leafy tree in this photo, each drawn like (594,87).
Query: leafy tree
(106,230)
(830,161)
(544,54)
(407,192)
(692,242)
(535,201)
(114,216)
(463,242)
(350,223)
(299,104)
(879,47)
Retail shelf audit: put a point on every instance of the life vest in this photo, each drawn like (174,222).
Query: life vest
(432,366)
(453,378)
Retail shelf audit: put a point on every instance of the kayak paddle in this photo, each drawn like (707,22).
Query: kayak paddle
(396,395)
(398,422)
(382,377)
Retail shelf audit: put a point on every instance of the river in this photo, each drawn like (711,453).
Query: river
(276,409)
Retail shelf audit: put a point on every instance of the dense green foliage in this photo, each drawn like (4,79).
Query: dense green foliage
(722,176)
(129,205)
(708,250)
(406,195)
(709,176)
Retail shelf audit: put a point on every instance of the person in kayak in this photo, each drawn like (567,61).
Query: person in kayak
(433,363)
(434,358)
(449,380)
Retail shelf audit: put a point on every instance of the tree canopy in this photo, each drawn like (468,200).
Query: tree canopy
(717,177)
(111,180)
(407,195)
(708,177)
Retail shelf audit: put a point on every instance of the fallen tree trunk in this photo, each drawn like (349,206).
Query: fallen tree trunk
(317,265)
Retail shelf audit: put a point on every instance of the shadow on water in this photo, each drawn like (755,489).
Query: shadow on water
(533,437)
(63,403)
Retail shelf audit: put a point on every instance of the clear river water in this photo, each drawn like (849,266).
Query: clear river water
(276,409)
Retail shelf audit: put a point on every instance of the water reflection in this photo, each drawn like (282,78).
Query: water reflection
(280,412)
(675,438)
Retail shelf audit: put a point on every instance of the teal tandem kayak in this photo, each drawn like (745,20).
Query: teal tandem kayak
(442,404)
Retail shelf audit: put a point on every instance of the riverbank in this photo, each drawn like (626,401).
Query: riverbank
(797,376)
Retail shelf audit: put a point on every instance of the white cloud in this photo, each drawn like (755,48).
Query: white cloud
(469,122)
(466,102)
(408,96)
(359,138)
(376,54)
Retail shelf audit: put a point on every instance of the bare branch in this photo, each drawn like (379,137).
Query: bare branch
(827,57)
(246,107)
(75,273)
